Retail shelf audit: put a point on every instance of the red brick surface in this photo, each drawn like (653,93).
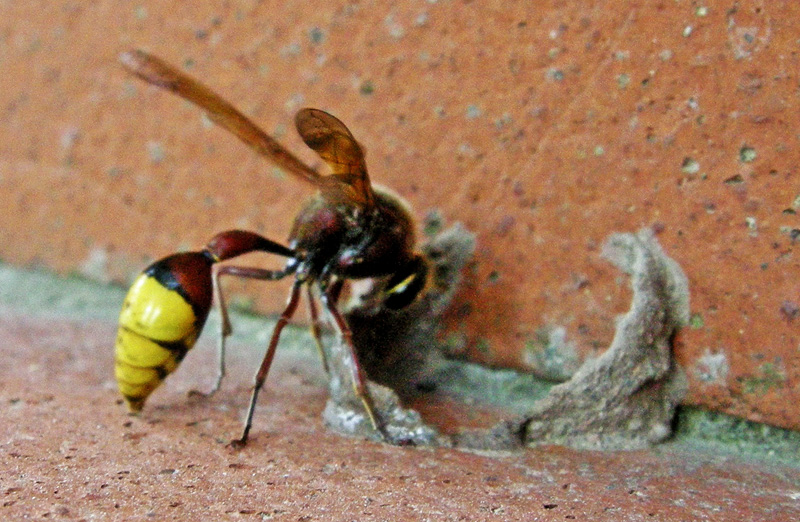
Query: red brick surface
(542,126)
(68,451)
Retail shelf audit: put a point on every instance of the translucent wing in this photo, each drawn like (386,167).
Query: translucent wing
(334,143)
(159,73)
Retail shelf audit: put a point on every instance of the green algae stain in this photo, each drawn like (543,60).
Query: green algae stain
(768,377)
(703,429)
(747,154)
(696,321)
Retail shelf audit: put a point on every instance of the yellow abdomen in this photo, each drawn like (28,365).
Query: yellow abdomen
(157,326)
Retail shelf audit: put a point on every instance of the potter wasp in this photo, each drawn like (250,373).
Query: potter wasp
(347,230)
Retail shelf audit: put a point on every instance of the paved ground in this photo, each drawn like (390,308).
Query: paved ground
(69,451)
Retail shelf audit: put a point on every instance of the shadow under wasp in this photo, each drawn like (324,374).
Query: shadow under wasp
(347,230)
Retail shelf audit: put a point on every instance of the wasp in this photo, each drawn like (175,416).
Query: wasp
(347,230)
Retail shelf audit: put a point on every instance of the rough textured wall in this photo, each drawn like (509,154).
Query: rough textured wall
(542,126)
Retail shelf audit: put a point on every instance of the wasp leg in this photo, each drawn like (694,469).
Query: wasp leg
(226,329)
(358,375)
(316,330)
(263,370)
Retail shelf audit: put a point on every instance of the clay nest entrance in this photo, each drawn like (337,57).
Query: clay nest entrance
(623,399)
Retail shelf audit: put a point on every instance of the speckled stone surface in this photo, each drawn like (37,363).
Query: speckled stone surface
(542,127)
(68,451)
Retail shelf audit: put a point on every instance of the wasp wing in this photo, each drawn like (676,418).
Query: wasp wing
(159,73)
(337,147)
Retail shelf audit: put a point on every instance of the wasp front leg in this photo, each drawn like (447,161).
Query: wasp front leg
(329,297)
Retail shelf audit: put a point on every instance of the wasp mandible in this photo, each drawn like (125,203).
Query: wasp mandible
(347,230)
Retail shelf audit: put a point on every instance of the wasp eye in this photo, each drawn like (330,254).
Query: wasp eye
(404,286)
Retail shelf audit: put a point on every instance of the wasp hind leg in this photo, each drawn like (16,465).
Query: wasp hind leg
(223,246)
(225,329)
(263,370)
